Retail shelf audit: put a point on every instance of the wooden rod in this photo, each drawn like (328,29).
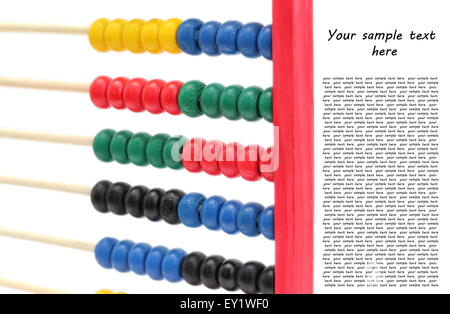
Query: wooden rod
(55,186)
(47,137)
(29,288)
(43,28)
(45,85)
(67,243)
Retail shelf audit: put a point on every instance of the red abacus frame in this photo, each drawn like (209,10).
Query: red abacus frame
(293,106)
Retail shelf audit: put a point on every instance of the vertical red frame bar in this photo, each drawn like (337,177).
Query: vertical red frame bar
(294,116)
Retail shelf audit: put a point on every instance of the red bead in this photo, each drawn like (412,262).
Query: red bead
(267,164)
(151,96)
(227,161)
(192,154)
(248,163)
(211,155)
(114,93)
(132,94)
(169,97)
(98,91)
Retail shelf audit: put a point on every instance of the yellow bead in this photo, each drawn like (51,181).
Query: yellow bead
(150,36)
(97,35)
(168,35)
(113,35)
(132,35)
(109,292)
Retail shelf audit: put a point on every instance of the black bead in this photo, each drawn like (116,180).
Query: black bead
(266,280)
(169,206)
(247,277)
(151,204)
(98,196)
(190,268)
(134,201)
(227,274)
(115,198)
(209,271)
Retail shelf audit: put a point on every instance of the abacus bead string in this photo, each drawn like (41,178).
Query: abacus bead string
(51,240)
(22,286)
(47,137)
(43,28)
(45,85)
(250,162)
(56,186)
(176,265)
(174,206)
(192,36)
(157,96)
(162,263)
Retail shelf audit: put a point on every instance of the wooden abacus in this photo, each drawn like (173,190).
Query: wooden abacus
(289,105)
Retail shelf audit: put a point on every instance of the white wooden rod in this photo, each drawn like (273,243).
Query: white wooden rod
(29,288)
(55,186)
(67,243)
(45,85)
(47,137)
(43,28)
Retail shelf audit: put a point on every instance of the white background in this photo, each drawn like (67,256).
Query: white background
(353,58)
(70,58)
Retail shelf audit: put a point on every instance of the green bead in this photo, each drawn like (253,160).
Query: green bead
(229,102)
(172,152)
(137,149)
(248,103)
(102,144)
(265,105)
(189,98)
(119,146)
(154,150)
(210,100)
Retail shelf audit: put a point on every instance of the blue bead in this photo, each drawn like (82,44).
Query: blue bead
(137,257)
(266,223)
(210,212)
(247,40)
(247,219)
(227,37)
(187,36)
(228,216)
(207,38)
(265,42)
(119,256)
(153,263)
(188,209)
(103,251)
(171,265)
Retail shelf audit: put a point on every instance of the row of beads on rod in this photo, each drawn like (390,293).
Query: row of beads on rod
(192,36)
